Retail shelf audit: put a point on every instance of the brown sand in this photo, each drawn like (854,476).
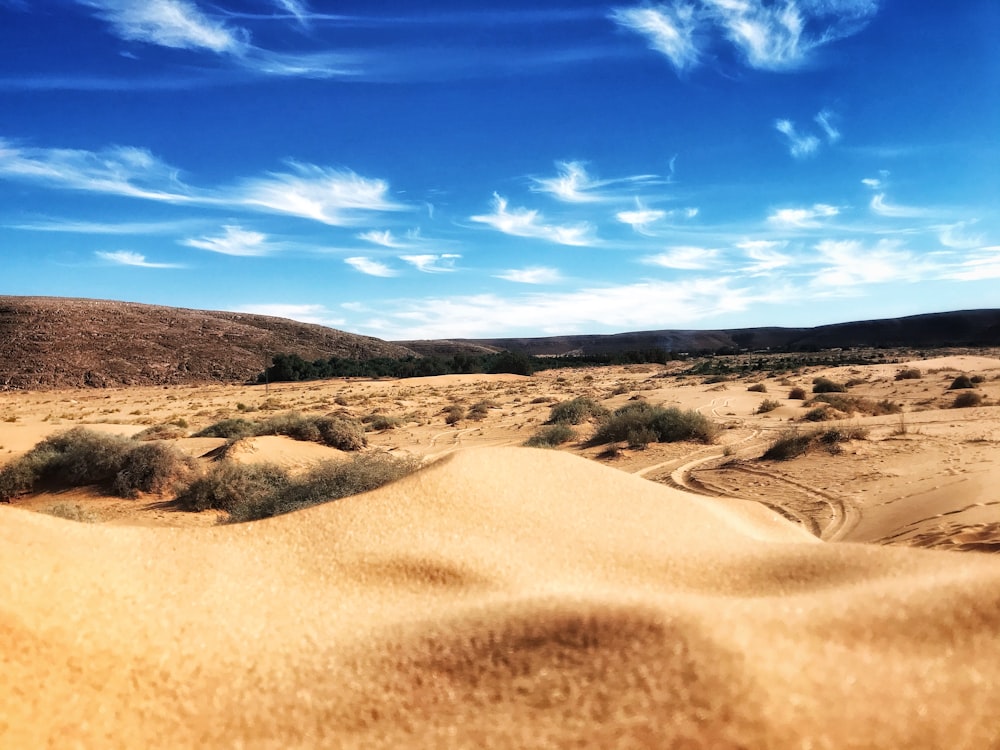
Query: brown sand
(508,597)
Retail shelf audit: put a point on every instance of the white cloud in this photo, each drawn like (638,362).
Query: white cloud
(803,218)
(168,23)
(234,241)
(957,237)
(532,275)
(825,120)
(295,8)
(573,184)
(317,314)
(641,218)
(849,263)
(668,29)
(765,254)
(882,208)
(370,267)
(337,197)
(982,265)
(766,35)
(385,238)
(872,182)
(683,257)
(429,263)
(523,222)
(639,306)
(330,196)
(128,258)
(800,145)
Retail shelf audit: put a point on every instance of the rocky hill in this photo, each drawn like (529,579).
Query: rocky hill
(52,342)
(935,330)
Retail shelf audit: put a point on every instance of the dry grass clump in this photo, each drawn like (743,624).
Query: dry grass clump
(758,388)
(825,385)
(337,432)
(961,382)
(856,404)
(967,399)
(576,411)
(768,404)
(382,422)
(479,410)
(551,436)
(70,512)
(80,456)
(793,443)
(798,393)
(639,423)
(454,414)
(255,491)
(910,373)
(162,432)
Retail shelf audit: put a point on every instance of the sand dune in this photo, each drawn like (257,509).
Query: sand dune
(501,597)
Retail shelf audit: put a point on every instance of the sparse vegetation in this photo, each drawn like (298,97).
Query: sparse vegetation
(551,436)
(797,393)
(758,388)
(793,443)
(382,422)
(256,491)
(454,414)
(825,385)
(81,456)
(961,382)
(576,411)
(639,420)
(161,432)
(337,432)
(768,404)
(856,404)
(967,399)
(910,373)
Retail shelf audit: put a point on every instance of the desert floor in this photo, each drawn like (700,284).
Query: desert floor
(677,595)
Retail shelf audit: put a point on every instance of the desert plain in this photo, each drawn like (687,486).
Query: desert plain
(662,595)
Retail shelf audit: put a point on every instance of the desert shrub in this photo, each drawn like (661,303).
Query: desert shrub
(161,432)
(341,433)
(962,381)
(843,433)
(966,399)
(330,480)
(789,444)
(857,404)
(851,382)
(819,414)
(151,467)
(768,404)
(542,400)
(231,429)
(70,512)
(976,379)
(551,435)
(381,422)
(454,414)
(231,487)
(825,385)
(293,425)
(81,456)
(668,425)
(479,410)
(758,388)
(797,393)
(640,437)
(576,410)
(910,373)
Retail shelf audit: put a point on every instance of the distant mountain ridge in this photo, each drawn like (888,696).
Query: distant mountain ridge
(960,328)
(55,342)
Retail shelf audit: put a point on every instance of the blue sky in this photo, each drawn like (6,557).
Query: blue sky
(461,169)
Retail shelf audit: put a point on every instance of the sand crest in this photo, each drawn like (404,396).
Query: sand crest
(501,597)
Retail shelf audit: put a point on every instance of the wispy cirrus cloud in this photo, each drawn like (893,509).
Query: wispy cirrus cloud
(800,145)
(430,263)
(531,275)
(383,238)
(802,218)
(573,184)
(112,228)
(233,241)
(371,267)
(849,263)
(129,258)
(978,266)
(765,255)
(684,258)
(669,29)
(641,218)
(169,23)
(298,10)
(880,206)
(765,35)
(337,197)
(524,222)
(958,237)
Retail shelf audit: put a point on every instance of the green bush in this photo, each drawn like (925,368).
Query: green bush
(668,425)
(576,411)
(336,432)
(967,399)
(249,492)
(551,435)
(230,429)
